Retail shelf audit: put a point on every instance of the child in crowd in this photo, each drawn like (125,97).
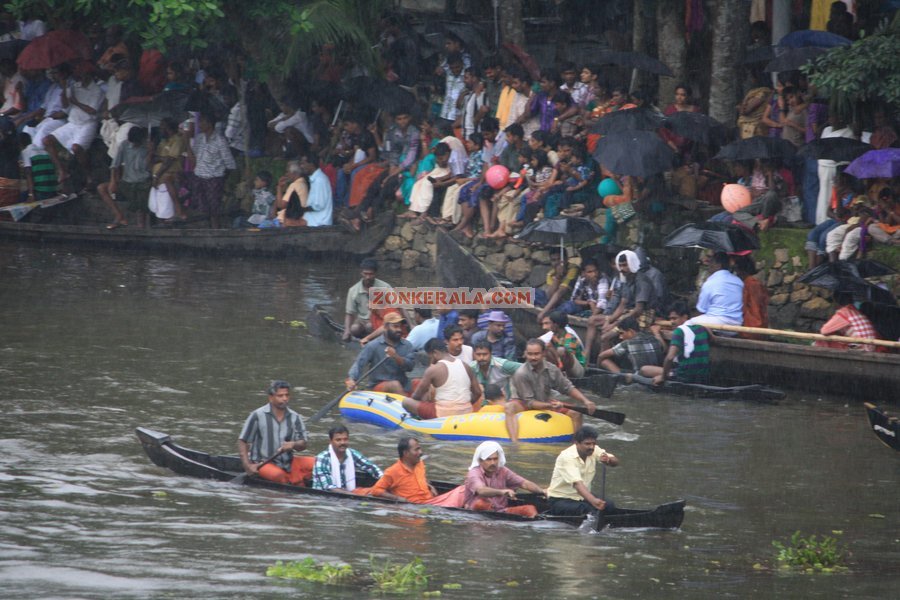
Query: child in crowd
(464,188)
(129,180)
(263,202)
(39,170)
(424,189)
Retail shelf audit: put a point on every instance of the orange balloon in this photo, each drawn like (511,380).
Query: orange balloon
(735,197)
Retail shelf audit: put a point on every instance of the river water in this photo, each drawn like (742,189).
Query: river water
(94,343)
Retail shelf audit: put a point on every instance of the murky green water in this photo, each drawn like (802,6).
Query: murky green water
(93,344)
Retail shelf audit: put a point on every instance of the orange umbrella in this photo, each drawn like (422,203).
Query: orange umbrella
(55,48)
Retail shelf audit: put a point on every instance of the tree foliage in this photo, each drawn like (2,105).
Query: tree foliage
(867,70)
(275,33)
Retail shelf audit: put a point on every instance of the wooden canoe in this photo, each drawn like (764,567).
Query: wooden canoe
(165,453)
(885,427)
(735,361)
(282,241)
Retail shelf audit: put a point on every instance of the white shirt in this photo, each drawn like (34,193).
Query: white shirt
(298,121)
(91,95)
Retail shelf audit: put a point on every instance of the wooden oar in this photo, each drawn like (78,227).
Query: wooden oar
(239,480)
(327,408)
(616,418)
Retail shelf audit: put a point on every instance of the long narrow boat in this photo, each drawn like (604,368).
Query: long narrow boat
(597,380)
(386,410)
(885,427)
(734,360)
(282,241)
(165,453)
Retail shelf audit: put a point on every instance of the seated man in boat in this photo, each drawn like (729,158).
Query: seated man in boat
(405,479)
(455,386)
(356,320)
(336,467)
(490,485)
(565,348)
(535,382)
(721,300)
(490,369)
(495,334)
(687,359)
(456,343)
(274,428)
(389,357)
(850,322)
(425,329)
(570,486)
(636,350)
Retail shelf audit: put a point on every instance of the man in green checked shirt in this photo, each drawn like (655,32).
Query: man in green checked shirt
(564,348)
(336,467)
(493,369)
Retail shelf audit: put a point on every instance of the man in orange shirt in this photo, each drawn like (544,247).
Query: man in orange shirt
(756,296)
(405,480)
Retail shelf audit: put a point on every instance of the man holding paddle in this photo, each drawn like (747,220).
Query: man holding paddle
(535,382)
(570,486)
(389,358)
(270,436)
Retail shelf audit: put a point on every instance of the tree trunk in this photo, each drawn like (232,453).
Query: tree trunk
(730,28)
(671,46)
(512,29)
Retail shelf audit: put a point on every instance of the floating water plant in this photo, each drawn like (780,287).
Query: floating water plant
(398,579)
(810,554)
(310,570)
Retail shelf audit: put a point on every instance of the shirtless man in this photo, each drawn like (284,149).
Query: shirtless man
(455,386)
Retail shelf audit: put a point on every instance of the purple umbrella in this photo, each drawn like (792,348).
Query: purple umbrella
(876,163)
(805,38)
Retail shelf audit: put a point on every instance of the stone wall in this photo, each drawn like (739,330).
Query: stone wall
(792,305)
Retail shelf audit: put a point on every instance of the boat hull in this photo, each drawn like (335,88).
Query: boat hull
(886,428)
(386,410)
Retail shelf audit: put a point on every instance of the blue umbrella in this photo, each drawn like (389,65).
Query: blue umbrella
(806,38)
(876,163)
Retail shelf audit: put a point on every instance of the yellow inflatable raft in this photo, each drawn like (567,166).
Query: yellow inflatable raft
(386,410)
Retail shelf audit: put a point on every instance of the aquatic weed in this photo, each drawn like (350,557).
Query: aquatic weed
(399,578)
(810,554)
(310,570)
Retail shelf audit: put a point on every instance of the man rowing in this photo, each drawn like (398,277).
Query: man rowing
(270,429)
(405,480)
(336,467)
(570,486)
(535,381)
(455,386)
(388,375)
(490,485)
(687,359)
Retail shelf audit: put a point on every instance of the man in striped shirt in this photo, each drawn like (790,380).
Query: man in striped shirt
(274,428)
(337,466)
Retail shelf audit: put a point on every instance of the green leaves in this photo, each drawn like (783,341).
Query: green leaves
(310,570)
(810,554)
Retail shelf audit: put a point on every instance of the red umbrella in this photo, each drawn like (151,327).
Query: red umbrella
(55,48)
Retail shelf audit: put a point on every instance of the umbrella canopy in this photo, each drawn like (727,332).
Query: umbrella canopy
(757,147)
(377,94)
(204,102)
(54,48)
(719,237)
(804,38)
(759,54)
(697,127)
(793,58)
(636,153)
(10,49)
(634,60)
(838,149)
(571,229)
(873,268)
(642,119)
(876,163)
(151,112)
(844,276)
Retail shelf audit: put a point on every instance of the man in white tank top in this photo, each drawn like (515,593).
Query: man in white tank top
(455,386)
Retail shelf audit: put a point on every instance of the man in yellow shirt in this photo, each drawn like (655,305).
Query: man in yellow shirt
(570,487)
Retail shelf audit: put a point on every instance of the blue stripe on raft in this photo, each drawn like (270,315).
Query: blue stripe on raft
(364,416)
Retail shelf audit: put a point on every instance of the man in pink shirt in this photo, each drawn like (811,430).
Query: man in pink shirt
(490,485)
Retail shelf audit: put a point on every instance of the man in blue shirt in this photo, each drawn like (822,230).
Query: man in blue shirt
(721,300)
(426,328)
(495,335)
(388,375)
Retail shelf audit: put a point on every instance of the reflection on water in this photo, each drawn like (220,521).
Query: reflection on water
(94,344)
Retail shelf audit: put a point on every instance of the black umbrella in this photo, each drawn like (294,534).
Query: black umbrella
(204,102)
(793,58)
(839,149)
(636,153)
(758,54)
(166,104)
(10,49)
(697,127)
(634,119)
(757,147)
(559,230)
(873,268)
(634,60)
(844,276)
(377,94)
(719,237)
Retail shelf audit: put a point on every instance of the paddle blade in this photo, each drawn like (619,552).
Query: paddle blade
(326,409)
(616,418)
(239,480)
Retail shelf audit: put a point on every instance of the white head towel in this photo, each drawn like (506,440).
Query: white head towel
(486,449)
(634,263)
(349,469)
(688,340)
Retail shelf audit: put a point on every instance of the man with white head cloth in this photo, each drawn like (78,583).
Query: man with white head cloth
(490,485)
(636,297)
